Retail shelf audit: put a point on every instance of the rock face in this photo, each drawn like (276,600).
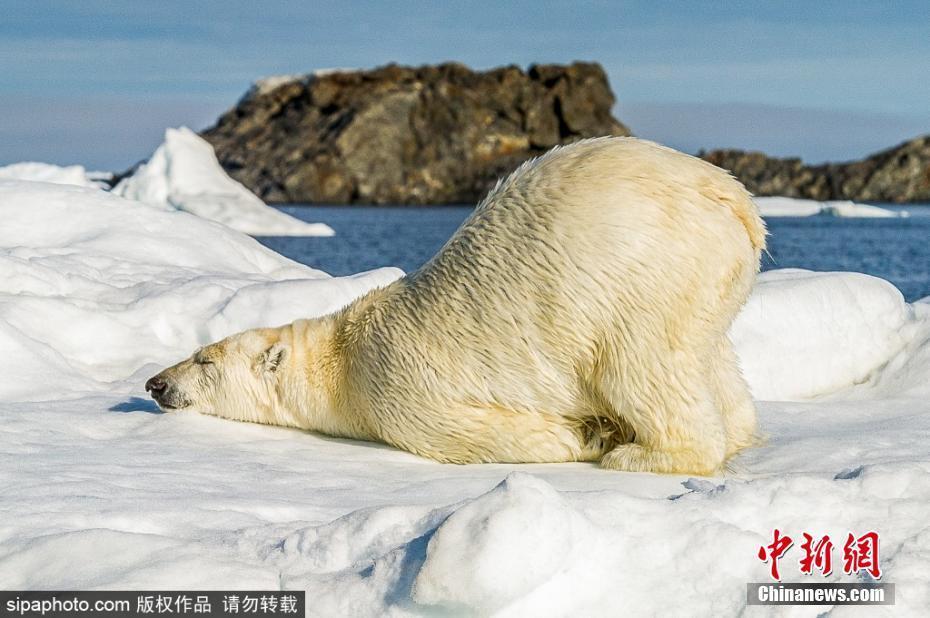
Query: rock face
(402,135)
(899,174)
(765,175)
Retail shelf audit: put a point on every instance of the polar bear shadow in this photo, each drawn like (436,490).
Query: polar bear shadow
(136,404)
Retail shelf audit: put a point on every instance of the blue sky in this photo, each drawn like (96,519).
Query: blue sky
(96,82)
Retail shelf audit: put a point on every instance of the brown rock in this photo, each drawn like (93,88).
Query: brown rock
(900,174)
(406,135)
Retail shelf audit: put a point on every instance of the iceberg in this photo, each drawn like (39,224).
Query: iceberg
(184,174)
(99,490)
(794,207)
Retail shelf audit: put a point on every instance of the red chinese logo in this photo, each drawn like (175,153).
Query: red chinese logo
(817,555)
(775,550)
(859,554)
(862,554)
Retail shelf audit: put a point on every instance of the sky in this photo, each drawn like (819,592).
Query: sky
(96,82)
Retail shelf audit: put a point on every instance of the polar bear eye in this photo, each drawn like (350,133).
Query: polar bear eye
(203,361)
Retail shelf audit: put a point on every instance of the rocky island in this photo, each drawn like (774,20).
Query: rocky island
(406,135)
(900,174)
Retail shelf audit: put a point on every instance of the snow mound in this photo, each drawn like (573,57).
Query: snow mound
(115,285)
(805,334)
(184,174)
(501,546)
(46,172)
(793,207)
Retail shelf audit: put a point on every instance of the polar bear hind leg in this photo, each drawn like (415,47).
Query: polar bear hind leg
(733,398)
(679,430)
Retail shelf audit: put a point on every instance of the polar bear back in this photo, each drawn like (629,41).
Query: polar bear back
(616,215)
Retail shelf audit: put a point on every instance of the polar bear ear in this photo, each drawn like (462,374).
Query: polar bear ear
(272,358)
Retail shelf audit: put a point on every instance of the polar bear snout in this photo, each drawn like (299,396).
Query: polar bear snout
(165,392)
(156,386)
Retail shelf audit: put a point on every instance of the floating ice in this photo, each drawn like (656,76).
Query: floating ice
(793,207)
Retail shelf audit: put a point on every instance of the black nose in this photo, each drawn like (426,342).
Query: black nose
(156,386)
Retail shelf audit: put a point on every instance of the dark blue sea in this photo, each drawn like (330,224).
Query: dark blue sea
(371,236)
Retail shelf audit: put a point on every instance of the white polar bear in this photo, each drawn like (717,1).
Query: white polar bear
(580,313)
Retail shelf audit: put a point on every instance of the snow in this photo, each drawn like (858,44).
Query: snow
(136,279)
(271,82)
(793,207)
(184,174)
(805,334)
(325,72)
(100,490)
(46,172)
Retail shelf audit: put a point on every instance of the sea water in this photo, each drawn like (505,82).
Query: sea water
(896,249)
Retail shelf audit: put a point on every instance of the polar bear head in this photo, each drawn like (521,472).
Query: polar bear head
(237,378)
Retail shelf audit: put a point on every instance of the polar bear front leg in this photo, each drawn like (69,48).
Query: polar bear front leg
(681,432)
(467,434)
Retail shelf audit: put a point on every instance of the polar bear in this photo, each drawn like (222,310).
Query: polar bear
(579,314)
